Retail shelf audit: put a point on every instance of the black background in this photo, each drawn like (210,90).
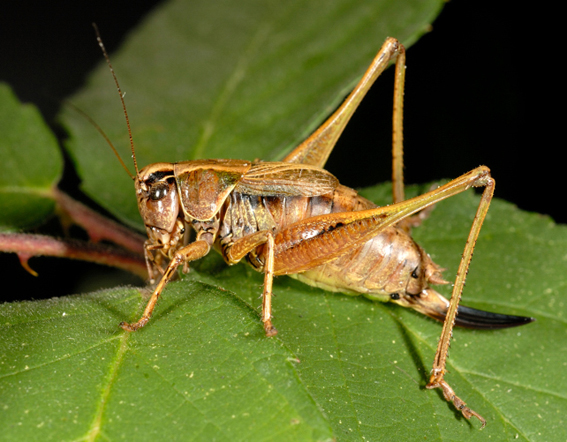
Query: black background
(482,88)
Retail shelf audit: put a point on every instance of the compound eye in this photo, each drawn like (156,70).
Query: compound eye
(159,191)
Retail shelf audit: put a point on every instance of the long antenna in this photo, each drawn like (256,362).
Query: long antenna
(100,131)
(101,44)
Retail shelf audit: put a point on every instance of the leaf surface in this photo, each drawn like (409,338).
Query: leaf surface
(31,164)
(340,366)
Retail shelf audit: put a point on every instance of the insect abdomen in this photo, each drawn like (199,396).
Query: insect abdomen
(381,266)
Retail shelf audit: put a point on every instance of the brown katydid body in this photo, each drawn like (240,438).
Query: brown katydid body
(226,201)
(293,217)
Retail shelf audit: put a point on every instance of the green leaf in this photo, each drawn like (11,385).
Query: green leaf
(228,79)
(31,164)
(217,378)
(203,369)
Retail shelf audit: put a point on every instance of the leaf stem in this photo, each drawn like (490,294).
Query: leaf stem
(97,226)
(29,245)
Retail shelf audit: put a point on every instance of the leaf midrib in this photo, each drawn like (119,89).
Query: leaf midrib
(95,426)
(238,74)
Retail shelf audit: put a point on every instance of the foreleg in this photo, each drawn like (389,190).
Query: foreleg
(191,252)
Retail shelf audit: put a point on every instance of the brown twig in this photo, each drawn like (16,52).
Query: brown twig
(28,245)
(97,226)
